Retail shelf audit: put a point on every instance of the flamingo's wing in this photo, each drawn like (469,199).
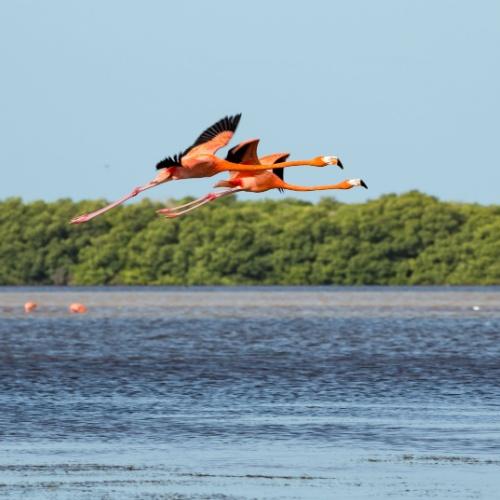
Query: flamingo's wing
(209,141)
(276,158)
(214,137)
(245,152)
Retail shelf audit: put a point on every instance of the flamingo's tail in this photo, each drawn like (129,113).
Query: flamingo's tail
(224,184)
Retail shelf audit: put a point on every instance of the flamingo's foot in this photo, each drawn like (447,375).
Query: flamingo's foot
(165,211)
(170,215)
(80,219)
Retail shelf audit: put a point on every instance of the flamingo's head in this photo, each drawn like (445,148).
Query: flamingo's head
(357,182)
(323,161)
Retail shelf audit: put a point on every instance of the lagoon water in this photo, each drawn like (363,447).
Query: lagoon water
(303,393)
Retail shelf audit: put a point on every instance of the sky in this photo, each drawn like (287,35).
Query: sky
(94,93)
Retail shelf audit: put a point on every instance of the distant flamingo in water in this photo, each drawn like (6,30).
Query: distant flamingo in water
(77,308)
(30,306)
(255,182)
(199,160)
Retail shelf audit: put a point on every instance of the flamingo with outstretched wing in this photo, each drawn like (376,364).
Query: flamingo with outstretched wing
(254,182)
(199,160)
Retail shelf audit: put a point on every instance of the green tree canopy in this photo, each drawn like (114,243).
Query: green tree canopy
(394,240)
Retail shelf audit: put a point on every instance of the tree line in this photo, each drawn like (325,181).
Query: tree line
(408,239)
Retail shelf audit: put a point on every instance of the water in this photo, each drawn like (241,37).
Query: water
(304,393)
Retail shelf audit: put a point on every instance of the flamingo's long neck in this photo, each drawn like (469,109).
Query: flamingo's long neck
(229,166)
(339,185)
(313,162)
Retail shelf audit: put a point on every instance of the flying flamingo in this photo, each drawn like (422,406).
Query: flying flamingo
(199,160)
(255,182)
(245,153)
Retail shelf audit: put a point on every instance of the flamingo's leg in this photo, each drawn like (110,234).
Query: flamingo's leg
(189,204)
(173,212)
(89,216)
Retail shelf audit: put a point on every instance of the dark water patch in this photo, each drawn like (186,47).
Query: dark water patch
(255,476)
(460,460)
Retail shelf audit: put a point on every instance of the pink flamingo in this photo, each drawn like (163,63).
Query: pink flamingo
(199,160)
(77,308)
(30,306)
(254,182)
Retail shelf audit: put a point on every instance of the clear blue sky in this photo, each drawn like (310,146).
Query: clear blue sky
(94,93)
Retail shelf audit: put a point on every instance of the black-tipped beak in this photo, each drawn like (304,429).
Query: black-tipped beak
(339,163)
(364,184)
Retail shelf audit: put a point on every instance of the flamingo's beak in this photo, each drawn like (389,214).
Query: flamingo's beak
(339,163)
(362,182)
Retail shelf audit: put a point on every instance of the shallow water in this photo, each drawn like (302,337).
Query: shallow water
(250,393)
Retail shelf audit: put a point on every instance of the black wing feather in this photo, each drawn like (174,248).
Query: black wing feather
(236,154)
(226,124)
(170,161)
(280,172)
